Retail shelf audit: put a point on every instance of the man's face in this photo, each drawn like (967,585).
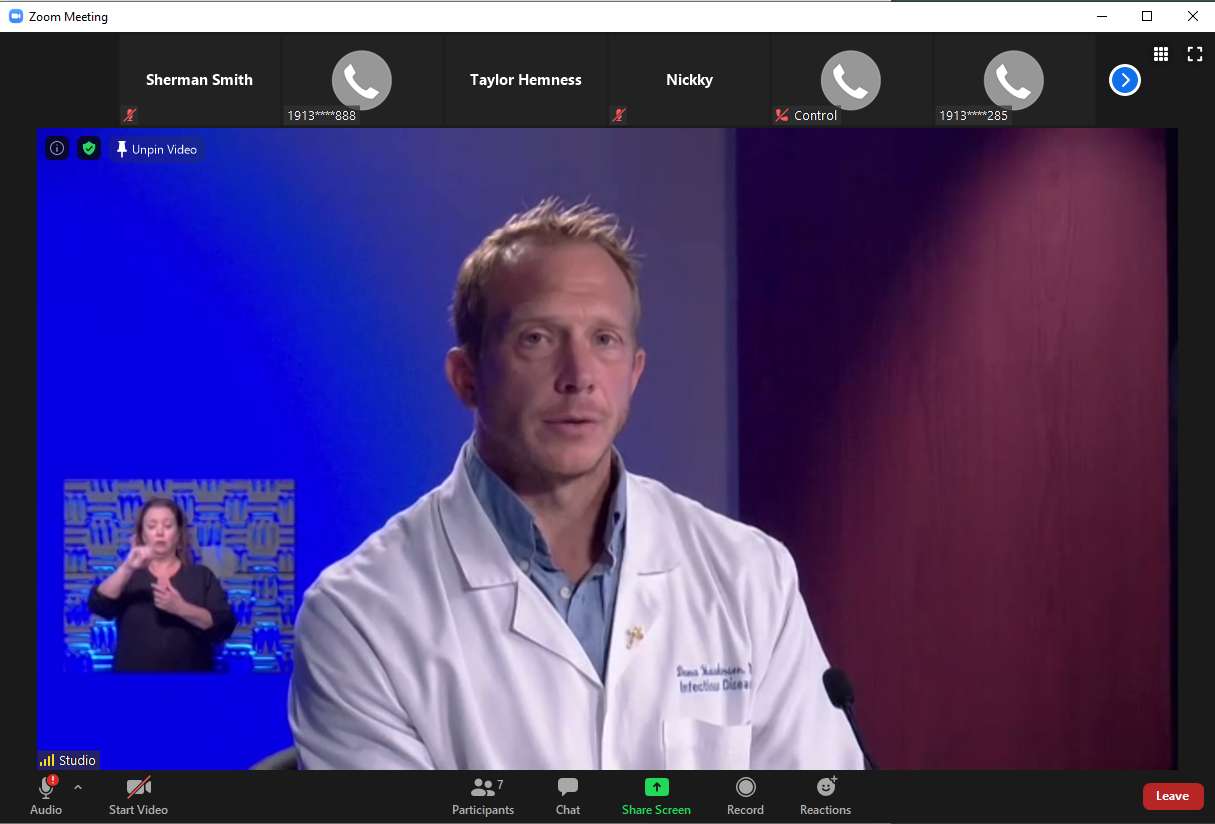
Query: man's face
(559,360)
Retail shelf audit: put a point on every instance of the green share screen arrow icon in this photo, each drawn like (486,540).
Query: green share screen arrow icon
(658,786)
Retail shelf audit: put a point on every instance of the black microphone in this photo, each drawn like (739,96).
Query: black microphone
(839,690)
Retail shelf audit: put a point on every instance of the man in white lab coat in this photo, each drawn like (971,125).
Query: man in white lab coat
(543,608)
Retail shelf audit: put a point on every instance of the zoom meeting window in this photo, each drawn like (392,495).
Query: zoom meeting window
(602,427)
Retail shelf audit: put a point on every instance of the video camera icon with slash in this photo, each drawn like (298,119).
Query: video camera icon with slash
(139,786)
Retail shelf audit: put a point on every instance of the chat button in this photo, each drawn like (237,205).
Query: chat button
(567,785)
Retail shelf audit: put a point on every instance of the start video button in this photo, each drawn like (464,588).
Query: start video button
(1171,796)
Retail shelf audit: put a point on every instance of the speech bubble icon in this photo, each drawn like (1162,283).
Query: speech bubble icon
(567,785)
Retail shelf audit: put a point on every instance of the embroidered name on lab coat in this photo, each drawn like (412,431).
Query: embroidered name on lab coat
(713,678)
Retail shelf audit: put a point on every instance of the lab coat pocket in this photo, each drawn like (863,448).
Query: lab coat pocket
(692,744)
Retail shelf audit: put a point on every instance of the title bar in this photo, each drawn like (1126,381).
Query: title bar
(609,16)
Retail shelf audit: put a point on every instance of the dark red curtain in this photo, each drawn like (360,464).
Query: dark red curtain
(953,409)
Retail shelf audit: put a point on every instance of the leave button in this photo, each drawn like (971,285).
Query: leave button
(1172,796)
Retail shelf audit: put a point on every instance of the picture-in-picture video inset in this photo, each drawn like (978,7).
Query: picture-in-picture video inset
(143,562)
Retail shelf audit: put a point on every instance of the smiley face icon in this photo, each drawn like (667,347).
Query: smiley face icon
(826,786)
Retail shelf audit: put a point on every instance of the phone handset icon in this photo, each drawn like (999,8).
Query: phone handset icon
(369,93)
(838,73)
(1002,76)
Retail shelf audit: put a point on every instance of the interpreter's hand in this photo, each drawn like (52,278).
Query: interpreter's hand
(166,597)
(139,555)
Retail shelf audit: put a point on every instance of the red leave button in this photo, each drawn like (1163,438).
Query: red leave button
(1172,796)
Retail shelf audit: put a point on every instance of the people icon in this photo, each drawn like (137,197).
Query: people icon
(482,786)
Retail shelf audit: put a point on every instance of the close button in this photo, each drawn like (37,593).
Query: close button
(1170,796)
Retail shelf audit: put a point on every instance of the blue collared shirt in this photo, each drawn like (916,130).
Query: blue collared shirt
(586,606)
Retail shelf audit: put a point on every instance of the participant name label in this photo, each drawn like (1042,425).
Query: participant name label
(703,81)
(497,81)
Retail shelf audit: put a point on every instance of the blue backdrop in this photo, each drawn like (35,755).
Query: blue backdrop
(274,310)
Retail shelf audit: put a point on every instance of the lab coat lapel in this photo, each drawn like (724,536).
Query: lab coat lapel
(485,562)
(537,620)
(651,555)
(480,553)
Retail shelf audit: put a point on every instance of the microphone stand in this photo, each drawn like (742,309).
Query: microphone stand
(856,730)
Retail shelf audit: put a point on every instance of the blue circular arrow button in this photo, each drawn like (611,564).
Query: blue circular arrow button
(1125,80)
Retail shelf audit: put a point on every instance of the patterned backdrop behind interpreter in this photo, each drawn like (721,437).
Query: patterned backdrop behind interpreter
(243,530)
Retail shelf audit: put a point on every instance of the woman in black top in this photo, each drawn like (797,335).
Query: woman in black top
(171,613)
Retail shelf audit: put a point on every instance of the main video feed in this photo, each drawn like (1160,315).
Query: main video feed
(607,449)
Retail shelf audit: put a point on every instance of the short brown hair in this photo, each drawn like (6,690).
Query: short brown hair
(549,221)
(182,549)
